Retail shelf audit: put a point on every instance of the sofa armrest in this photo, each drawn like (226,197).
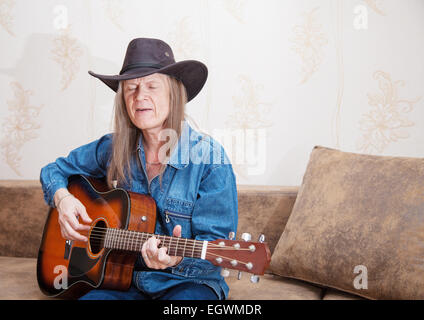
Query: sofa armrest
(23,213)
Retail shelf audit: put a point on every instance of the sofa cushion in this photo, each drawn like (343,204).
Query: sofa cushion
(271,287)
(18,279)
(332,294)
(357,226)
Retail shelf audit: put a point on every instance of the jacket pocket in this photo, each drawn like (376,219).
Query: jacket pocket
(170,214)
(178,212)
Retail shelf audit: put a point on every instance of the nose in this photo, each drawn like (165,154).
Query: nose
(141,93)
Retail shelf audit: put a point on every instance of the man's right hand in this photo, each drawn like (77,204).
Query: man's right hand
(70,209)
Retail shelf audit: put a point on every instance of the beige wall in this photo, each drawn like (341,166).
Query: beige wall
(283,76)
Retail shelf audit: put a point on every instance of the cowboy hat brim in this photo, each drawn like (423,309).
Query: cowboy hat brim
(193,74)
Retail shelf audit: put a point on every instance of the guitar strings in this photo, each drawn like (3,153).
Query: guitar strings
(210,253)
(197,251)
(124,237)
(121,236)
(172,246)
(126,234)
(131,242)
(135,237)
(128,240)
(137,242)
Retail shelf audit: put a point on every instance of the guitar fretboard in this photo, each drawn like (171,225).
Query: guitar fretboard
(133,241)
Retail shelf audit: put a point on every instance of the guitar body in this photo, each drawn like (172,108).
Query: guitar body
(71,268)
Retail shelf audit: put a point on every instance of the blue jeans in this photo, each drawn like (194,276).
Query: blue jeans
(185,291)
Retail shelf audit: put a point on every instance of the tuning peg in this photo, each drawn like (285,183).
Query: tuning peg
(239,275)
(254,278)
(246,236)
(261,238)
(231,235)
(225,272)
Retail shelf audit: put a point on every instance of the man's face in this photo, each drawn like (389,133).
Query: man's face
(147,101)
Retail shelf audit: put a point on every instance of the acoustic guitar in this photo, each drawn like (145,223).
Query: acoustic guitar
(121,222)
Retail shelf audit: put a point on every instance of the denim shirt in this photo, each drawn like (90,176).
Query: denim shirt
(198,192)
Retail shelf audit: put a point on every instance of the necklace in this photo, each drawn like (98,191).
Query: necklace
(153,163)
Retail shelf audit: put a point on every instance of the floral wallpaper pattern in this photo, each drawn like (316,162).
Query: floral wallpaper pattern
(376,6)
(236,9)
(19,127)
(308,42)
(182,41)
(66,53)
(387,121)
(6,16)
(114,11)
(250,112)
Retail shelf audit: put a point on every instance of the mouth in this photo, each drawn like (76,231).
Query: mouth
(143,109)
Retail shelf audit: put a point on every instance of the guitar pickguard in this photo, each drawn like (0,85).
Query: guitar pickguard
(80,263)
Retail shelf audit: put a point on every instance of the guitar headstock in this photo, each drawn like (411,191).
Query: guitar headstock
(243,255)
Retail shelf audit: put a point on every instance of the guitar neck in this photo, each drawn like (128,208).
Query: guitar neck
(133,241)
(253,257)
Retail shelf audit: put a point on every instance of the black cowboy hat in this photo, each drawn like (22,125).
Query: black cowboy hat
(147,56)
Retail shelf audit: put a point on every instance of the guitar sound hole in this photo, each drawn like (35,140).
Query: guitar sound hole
(97,237)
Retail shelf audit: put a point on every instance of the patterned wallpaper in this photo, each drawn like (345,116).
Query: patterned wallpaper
(284,76)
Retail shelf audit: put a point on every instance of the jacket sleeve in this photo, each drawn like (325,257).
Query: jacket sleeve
(215,212)
(214,216)
(90,159)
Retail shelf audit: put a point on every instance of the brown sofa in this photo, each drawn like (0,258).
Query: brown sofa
(261,210)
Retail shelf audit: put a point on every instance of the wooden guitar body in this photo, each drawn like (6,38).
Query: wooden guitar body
(72,268)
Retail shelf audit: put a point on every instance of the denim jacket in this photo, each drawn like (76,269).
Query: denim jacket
(198,192)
